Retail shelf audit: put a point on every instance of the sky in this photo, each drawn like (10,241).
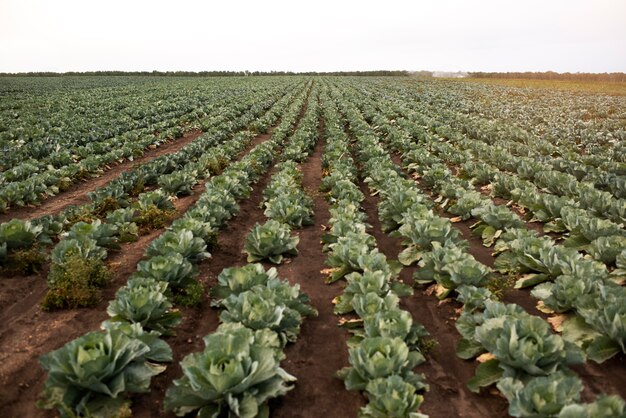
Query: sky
(322,35)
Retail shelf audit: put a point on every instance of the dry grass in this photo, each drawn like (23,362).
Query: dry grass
(613,89)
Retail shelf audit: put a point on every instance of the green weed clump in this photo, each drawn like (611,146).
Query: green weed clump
(105,206)
(153,218)
(499,284)
(25,262)
(75,283)
(189,296)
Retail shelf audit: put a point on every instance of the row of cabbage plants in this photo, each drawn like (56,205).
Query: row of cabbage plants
(592,150)
(385,345)
(579,285)
(29,183)
(92,375)
(261,313)
(287,205)
(517,351)
(239,370)
(61,126)
(120,203)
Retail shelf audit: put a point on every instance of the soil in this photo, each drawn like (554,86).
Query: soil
(77,192)
(446,374)
(321,349)
(26,332)
(609,377)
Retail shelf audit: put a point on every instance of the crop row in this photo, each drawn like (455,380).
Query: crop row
(93,389)
(531,373)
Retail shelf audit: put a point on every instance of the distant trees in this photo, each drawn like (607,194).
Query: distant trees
(206,73)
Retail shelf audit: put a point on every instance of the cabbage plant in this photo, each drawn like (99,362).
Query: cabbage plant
(271,241)
(543,396)
(236,375)
(178,183)
(172,268)
(450,267)
(17,234)
(143,301)
(391,397)
(420,232)
(235,280)
(381,357)
(378,282)
(90,375)
(104,234)
(603,407)
(83,247)
(294,209)
(182,242)
(394,323)
(605,311)
(261,307)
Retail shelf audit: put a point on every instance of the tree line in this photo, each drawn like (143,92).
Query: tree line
(205,73)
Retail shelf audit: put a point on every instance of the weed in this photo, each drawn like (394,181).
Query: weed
(426,345)
(190,296)
(498,284)
(108,204)
(153,218)
(75,283)
(25,262)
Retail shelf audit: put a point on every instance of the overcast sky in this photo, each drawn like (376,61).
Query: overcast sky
(322,35)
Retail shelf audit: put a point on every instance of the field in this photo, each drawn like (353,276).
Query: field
(399,246)
(593,87)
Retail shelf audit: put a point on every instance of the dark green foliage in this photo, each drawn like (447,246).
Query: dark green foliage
(24,262)
(152,218)
(75,283)
(189,296)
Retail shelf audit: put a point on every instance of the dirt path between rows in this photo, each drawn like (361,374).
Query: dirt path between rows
(202,320)
(321,349)
(77,193)
(26,331)
(446,374)
(608,377)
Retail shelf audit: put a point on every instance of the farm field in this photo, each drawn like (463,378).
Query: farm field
(311,246)
(610,88)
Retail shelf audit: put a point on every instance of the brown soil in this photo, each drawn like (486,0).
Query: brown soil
(446,374)
(322,348)
(607,378)
(77,193)
(26,331)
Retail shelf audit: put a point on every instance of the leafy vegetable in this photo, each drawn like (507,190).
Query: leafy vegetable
(391,397)
(172,268)
(542,396)
(450,267)
(91,374)
(378,282)
(271,241)
(182,242)
(236,374)
(262,307)
(17,234)
(381,357)
(105,235)
(143,301)
(235,280)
